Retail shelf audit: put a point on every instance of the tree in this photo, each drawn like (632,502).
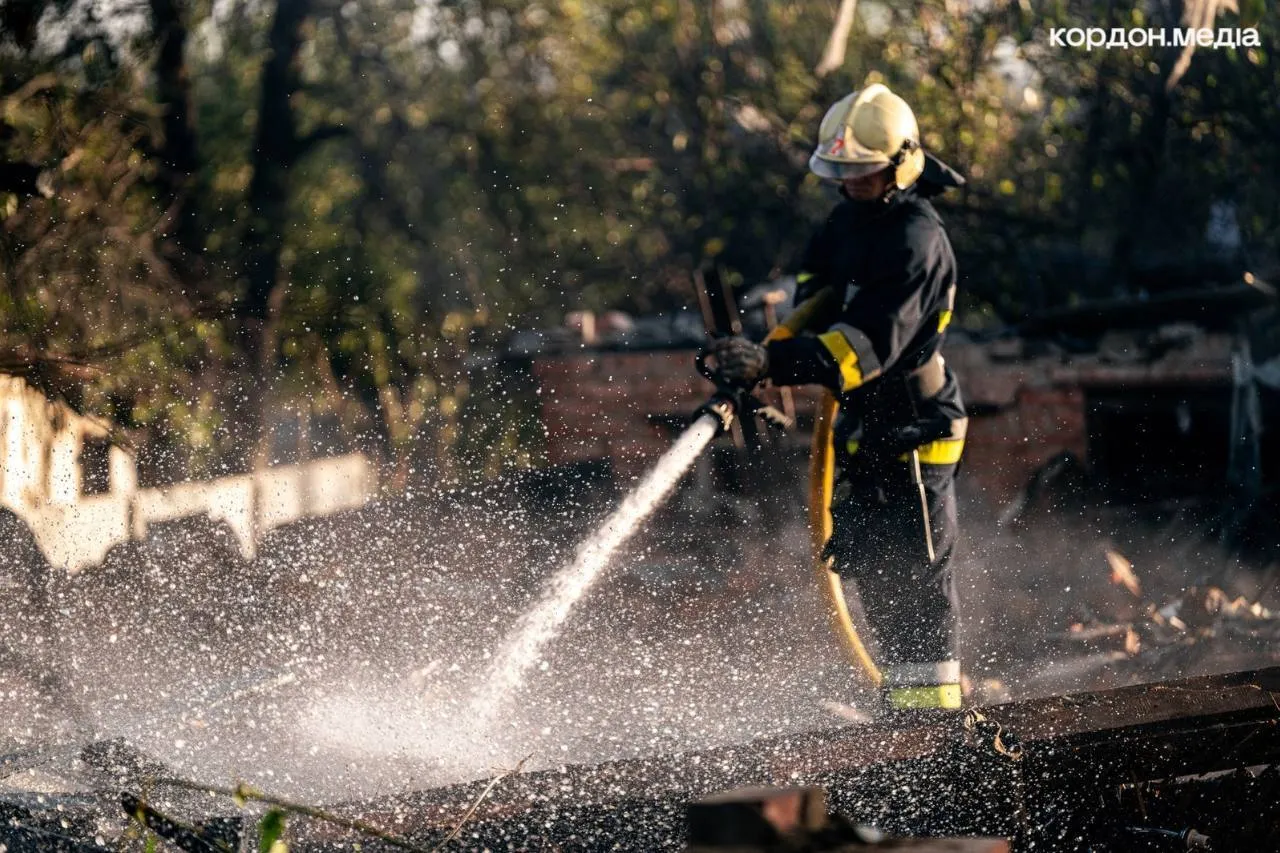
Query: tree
(338,204)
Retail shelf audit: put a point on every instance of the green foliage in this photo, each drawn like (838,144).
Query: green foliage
(466,167)
(271,832)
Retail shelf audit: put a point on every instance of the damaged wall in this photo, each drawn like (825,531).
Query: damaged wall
(1029,402)
(79,494)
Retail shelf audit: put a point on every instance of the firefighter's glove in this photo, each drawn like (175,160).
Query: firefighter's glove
(739,361)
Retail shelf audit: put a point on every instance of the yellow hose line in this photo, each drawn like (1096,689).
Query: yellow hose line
(821,485)
(806,314)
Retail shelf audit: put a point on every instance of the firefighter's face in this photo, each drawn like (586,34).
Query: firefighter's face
(868,187)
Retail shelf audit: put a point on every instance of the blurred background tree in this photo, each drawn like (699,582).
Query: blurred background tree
(218,212)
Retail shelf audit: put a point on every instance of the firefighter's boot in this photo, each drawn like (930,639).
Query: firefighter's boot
(921,693)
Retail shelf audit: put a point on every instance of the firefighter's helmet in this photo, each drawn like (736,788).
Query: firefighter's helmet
(866,131)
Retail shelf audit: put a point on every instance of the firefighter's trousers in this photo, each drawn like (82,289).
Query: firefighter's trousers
(895,529)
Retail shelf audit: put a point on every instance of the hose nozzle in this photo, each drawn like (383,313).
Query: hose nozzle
(722,409)
(731,401)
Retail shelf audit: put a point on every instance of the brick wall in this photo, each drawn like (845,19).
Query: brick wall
(1023,416)
(606,404)
(1005,448)
(1027,409)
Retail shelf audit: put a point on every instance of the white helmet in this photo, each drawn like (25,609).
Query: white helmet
(866,131)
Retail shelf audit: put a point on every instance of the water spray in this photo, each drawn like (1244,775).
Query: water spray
(523,649)
(730,404)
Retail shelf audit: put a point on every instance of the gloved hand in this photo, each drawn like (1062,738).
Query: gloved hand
(740,361)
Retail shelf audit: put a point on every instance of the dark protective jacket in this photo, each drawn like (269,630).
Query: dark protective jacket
(893,266)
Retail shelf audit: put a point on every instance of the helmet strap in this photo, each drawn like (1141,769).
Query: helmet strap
(908,145)
(896,161)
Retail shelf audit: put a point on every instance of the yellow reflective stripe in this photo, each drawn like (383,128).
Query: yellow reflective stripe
(946,696)
(803,277)
(944,451)
(779,333)
(944,319)
(838,345)
(852,446)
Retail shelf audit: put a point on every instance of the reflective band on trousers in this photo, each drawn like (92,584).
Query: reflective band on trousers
(926,674)
(944,451)
(945,696)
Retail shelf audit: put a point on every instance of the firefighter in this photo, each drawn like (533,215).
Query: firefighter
(901,426)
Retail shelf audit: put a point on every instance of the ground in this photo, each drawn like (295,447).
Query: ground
(338,664)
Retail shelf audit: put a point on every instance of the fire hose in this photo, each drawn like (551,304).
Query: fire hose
(731,402)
